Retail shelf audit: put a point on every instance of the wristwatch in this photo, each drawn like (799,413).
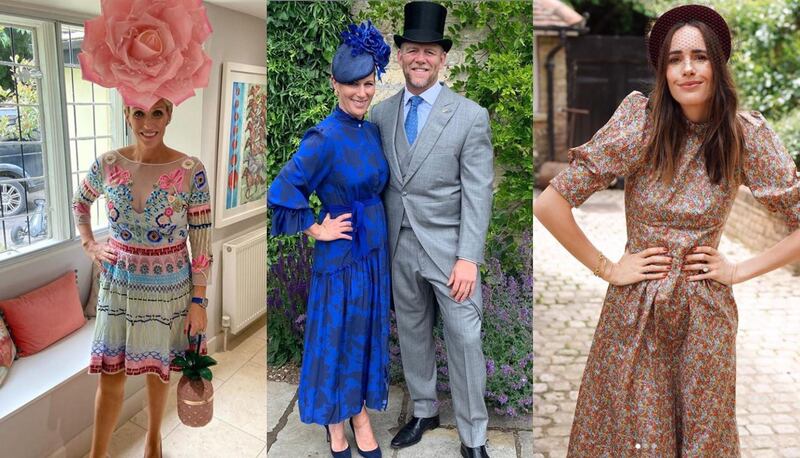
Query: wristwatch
(201,301)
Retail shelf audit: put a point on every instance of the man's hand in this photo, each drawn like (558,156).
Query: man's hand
(462,280)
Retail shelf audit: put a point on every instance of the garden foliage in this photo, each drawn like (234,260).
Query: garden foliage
(302,38)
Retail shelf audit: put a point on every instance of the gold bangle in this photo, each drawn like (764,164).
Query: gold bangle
(600,263)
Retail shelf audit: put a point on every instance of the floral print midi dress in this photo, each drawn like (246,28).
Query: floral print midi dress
(660,380)
(143,299)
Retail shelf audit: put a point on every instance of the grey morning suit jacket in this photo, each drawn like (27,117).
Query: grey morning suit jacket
(447,188)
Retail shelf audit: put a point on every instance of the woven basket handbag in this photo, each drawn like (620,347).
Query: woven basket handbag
(195,392)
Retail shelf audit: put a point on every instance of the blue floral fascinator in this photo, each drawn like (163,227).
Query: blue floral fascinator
(362,52)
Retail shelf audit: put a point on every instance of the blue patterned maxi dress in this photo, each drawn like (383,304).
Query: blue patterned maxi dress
(345,356)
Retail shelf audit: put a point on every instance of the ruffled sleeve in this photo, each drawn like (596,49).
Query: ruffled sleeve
(617,149)
(289,191)
(199,219)
(88,191)
(769,171)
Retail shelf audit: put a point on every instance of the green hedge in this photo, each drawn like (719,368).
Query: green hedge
(301,40)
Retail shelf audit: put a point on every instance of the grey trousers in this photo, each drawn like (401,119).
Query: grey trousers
(418,286)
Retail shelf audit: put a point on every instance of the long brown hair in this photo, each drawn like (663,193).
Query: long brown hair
(723,142)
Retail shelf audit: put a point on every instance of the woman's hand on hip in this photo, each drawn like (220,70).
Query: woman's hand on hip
(710,264)
(649,264)
(100,252)
(332,229)
(196,321)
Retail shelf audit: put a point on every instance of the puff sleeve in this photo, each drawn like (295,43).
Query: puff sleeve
(88,191)
(288,194)
(769,171)
(199,219)
(617,149)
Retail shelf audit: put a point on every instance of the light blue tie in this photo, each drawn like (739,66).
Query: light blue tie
(411,119)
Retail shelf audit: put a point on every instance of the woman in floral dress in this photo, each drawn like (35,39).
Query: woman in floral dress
(660,377)
(153,285)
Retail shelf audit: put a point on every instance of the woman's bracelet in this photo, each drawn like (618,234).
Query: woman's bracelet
(601,262)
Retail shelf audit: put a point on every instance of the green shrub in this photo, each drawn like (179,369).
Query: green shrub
(302,38)
(788,129)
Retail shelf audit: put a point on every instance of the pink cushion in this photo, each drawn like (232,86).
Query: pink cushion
(7,351)
(45,315)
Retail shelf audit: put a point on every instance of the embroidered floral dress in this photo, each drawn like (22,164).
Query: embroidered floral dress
(346,345)
(660,380)
(153,209)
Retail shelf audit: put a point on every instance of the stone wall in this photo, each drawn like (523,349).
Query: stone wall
(751,224)
(543,45)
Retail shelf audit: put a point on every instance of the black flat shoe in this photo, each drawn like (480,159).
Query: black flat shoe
(411,433)
(344,453)
(474,452)
(374,453)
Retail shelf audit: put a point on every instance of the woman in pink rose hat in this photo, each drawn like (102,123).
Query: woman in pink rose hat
(153,285)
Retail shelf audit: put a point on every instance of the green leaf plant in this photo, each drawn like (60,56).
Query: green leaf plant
(194,365)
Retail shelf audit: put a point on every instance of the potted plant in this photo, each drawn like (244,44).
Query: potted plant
(195,392)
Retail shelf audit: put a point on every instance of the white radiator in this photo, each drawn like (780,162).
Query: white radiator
(244,279)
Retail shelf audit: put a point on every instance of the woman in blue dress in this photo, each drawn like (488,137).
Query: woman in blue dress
(345,356)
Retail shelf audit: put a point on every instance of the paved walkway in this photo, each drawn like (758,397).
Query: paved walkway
(567,305)
(289,438)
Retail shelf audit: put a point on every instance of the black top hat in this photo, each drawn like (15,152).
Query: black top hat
(682,14)
(423,22)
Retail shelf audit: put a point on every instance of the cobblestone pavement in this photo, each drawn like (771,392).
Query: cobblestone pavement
(567,306)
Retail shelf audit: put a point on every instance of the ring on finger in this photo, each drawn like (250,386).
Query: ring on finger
(705,270)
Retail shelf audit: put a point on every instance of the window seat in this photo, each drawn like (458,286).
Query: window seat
(32,377)
(47,400)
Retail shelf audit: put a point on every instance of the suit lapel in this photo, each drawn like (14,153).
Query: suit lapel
(393,104)
(441,112)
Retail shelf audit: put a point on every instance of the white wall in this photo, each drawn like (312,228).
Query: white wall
(242,39)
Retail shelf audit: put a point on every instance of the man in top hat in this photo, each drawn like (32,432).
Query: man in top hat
(438,205)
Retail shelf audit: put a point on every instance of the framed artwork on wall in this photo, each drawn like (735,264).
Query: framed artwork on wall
(242,152)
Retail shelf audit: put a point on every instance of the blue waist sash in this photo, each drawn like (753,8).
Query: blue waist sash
(356,209)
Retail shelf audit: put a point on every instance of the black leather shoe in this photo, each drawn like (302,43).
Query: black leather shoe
(474,452)
(411,433)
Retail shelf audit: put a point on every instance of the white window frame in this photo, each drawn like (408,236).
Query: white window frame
(55,138)
(119,129)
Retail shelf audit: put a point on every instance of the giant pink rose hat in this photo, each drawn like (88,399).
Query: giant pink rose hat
(148,49)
